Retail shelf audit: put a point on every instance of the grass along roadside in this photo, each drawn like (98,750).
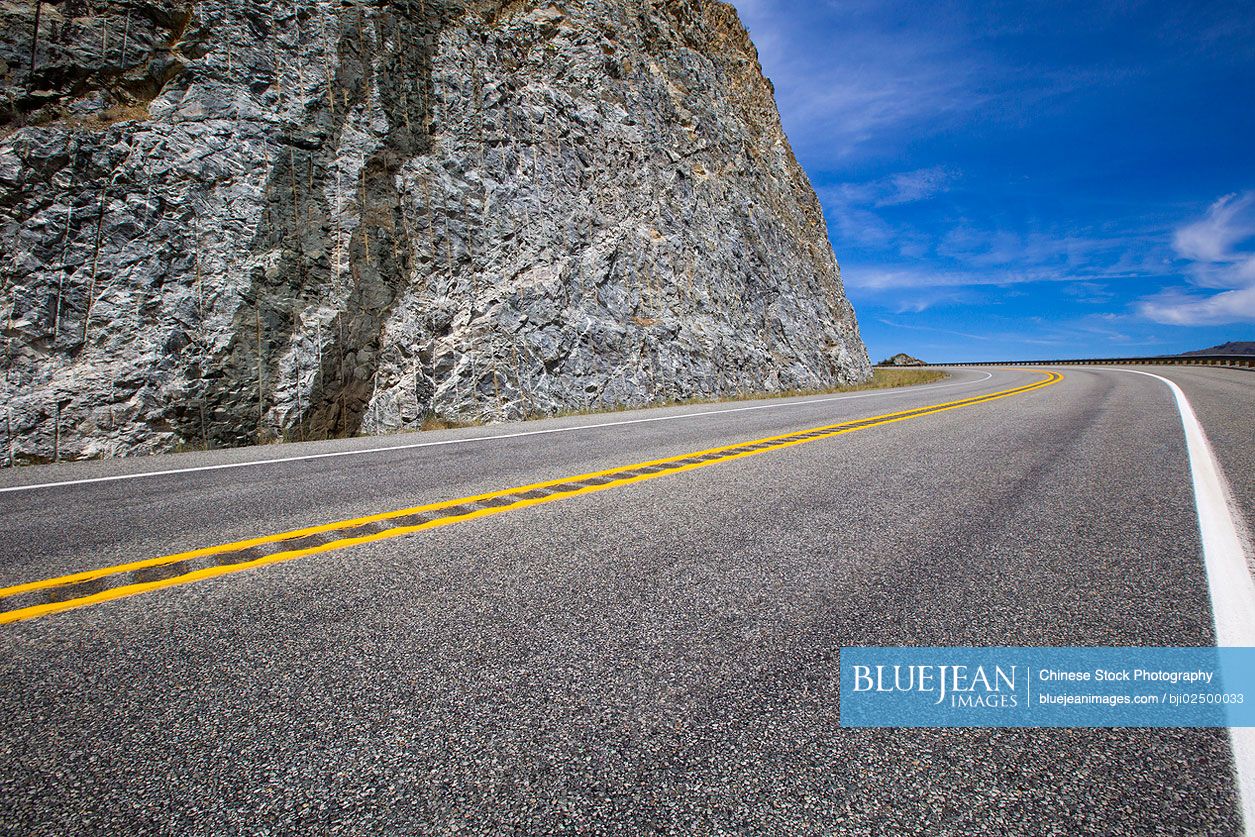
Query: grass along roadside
(889,378)
(881,379)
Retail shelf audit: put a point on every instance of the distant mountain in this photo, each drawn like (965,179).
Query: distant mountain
(1233,347)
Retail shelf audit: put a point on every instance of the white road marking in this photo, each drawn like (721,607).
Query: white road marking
(1228,574)
(496,437)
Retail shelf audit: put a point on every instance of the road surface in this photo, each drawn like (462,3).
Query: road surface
(654,649)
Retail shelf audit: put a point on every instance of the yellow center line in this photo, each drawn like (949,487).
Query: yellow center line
(731,451)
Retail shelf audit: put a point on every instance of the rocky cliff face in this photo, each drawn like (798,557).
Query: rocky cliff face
(225,222)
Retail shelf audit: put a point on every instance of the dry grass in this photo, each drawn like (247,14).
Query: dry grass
(881,379)
(435,422)
(110,116)
(98,121)
(896,377)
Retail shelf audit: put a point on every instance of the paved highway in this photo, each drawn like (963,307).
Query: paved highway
(646,649)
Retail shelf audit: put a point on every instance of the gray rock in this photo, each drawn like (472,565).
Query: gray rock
(902,359)
(230,222)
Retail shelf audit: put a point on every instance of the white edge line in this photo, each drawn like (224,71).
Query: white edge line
(499,436)
(1228,575)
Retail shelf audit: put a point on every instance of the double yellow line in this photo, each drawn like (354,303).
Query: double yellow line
(67,592)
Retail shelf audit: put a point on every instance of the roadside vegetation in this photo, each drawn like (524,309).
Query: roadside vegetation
(882,378)
(887,378)
(434,421)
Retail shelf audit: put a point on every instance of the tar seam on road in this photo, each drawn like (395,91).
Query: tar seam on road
(67,592)
(1228,575)
(472,439)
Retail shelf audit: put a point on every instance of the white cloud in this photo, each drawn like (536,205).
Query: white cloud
(968,255)
(1221,251)
(1174,307)
(907,278)
(1090,293)
(913,278)
(1229,221)
(839,100)
(977,272)
(896,189)
(918,185)
(915,327)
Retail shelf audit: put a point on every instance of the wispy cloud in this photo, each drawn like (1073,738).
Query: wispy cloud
(1221,250)
(913,327)
(1228,223)
(999,258)
(838,102)
(857,211)
(881,278)
(1090,293)
(1050,333)
(1175,307)
(897,189)
(905,240)
(999,168)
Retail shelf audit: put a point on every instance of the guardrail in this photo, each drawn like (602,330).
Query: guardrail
(1232,361)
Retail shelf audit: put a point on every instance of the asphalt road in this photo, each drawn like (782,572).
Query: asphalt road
(660,656)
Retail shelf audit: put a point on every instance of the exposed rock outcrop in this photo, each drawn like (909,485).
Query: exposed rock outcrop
(226,222)
(902,359)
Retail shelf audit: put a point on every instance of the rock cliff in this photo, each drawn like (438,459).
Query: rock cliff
(226,222)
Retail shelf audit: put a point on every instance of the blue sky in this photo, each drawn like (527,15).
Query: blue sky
(1027,180)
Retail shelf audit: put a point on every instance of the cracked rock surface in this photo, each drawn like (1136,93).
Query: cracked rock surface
(229,222)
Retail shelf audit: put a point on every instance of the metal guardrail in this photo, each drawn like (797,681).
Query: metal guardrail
(1232,361)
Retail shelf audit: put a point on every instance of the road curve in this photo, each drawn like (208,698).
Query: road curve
(657,655)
